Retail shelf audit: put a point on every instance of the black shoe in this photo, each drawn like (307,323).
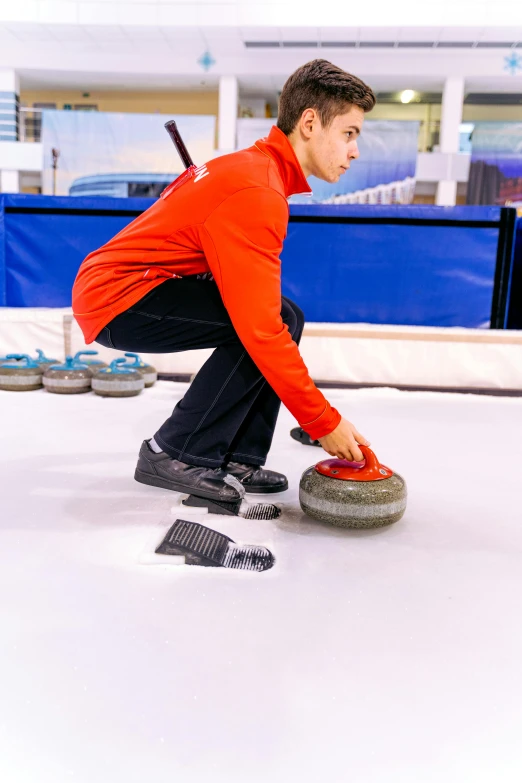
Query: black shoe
(256,479)
(160,470)
(303,437)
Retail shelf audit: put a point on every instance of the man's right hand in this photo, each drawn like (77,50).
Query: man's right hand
(342,442)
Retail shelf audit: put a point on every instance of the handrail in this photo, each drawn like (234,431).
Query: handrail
(30,124)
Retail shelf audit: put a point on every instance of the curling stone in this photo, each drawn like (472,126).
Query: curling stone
(93,364)
(69,378)
(20,373)
(342,494)
(150,374)
(118,380)
(43,361)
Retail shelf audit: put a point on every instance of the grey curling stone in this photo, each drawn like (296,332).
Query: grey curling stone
(93,364)
(69,378)
(43,361)
(24,375)
(118,380)
(344,495)
(150,374)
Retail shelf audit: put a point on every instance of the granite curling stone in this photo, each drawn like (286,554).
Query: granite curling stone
(118,380)
(20,373)
(363,497)
(70,378)
(150,374)
(43,361)
(93,364)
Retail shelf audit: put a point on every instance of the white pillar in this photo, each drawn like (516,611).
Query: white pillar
(9,181)
(227,121)
(9,81)
(451,117)
(9,101)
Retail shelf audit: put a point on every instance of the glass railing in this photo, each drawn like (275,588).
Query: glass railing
(30,127)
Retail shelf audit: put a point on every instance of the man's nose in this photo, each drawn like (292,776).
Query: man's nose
(354,151)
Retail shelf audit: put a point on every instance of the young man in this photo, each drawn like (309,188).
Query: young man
(201,269)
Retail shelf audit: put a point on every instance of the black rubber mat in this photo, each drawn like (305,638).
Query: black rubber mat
(262,511)
(236,509)
(200,545)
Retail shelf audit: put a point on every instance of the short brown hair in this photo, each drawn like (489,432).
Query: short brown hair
(322,86)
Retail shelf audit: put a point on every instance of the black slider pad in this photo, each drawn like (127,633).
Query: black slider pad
(200,545)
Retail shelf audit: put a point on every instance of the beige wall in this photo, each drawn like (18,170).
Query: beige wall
(492,113)
(196,102)
(405,111)
(421,111)
(140,102)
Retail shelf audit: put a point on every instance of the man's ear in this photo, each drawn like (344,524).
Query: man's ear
(308,122)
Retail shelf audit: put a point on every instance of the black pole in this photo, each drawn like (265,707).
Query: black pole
(503,268)
(514,307)
(174,134)
(55,155)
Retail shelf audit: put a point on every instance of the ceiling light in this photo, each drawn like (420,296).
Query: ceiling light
(407,96)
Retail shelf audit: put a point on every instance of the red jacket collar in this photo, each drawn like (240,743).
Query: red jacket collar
(277,147)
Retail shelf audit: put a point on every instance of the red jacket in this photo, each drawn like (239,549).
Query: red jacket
(230,219)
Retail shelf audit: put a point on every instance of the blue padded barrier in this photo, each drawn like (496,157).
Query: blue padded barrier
(434,266)
(46,238)
(413,265)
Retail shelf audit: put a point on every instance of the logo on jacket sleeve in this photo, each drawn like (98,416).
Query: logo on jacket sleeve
(200,172)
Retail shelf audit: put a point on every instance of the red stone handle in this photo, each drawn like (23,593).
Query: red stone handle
(370,470)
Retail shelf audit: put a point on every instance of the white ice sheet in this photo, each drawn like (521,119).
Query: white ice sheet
(391,656)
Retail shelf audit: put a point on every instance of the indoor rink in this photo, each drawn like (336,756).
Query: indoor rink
(359,623)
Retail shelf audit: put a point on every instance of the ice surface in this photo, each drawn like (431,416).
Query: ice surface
(391,656)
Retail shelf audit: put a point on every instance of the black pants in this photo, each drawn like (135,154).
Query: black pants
(229,412)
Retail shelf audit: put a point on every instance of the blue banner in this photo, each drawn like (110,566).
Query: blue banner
(495,175)
(384,173)
(116,154)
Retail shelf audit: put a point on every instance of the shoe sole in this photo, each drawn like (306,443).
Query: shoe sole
(266,490)
(157,481)
(303,437)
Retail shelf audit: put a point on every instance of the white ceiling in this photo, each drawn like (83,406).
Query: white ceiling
(162,57)
(222,38)
(244,13)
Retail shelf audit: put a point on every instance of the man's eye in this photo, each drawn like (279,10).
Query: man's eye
(349,133)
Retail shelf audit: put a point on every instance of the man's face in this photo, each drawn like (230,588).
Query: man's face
(332,149)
